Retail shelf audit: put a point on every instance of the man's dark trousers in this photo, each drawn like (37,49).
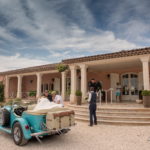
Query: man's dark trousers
(92,108)
(93,114)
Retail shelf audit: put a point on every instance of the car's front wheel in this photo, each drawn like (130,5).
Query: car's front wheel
(18,136)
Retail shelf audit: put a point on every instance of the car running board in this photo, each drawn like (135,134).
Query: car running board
(8,130)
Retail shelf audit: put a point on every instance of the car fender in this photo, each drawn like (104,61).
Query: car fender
(23,123)
(8,108)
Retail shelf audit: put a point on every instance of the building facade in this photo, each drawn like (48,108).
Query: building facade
(129,68)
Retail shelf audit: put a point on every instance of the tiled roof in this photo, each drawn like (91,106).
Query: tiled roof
(123,53)
(31,69)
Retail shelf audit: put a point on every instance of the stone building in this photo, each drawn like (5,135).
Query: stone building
(130,68)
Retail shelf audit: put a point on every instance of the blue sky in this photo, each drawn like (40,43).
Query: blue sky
(36,32)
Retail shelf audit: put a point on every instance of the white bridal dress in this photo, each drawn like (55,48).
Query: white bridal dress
(44,103)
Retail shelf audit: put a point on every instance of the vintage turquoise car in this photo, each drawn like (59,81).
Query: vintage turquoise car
(23,124)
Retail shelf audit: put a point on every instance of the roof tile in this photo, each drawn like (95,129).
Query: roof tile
(123,53)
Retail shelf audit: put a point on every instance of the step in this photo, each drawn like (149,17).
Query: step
(114,113)
(107,122)
(117,118)
(111,109)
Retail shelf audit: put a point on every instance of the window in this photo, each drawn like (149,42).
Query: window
(130,84)
(125,84)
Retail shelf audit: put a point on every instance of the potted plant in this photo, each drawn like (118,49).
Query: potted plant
(61,67)
(32,94)
(146,98)
(78,97)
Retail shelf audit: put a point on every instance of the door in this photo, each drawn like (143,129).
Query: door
(130,86)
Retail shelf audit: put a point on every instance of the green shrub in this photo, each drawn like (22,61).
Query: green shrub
(146,93)
(1,92)
(61,67)
(78,93)
(32,93)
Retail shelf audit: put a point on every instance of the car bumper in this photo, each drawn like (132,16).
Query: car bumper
(50,132)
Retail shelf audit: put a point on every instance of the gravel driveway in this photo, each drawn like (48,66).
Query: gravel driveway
(83,137)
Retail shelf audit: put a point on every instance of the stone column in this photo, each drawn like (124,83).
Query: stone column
(83,81)
(145,64)
(73,83)
(19,88)
(7,87)
(39,82)
(114,79)
(63,84)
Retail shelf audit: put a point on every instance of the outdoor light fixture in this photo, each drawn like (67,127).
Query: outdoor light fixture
(108,75)
(31,81)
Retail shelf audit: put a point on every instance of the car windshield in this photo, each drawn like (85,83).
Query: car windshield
(23,103)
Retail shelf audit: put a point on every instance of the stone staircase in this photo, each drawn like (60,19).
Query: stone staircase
(114,115)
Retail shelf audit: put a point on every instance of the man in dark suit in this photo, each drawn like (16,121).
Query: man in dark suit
(49,97)
(92,106)
(93,84)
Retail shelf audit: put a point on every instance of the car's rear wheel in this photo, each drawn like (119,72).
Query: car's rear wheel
(5,117)
(18,136)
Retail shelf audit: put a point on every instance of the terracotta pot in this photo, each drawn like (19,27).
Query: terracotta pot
(78,100)
(146,101)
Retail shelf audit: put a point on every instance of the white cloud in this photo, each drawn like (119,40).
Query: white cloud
(82,41)
(53,31)
(16,62)
(130,20)
(50,30)
(135,31)
(7,36)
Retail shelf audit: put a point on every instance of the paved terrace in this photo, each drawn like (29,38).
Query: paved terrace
(100,137)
